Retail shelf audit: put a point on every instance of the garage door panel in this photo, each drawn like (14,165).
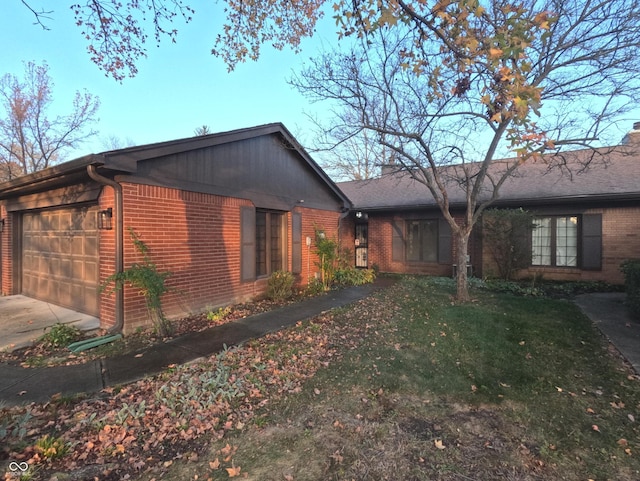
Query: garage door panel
(76,243)
(91,270)
(90,223)
(51,223)
(91,247)
(66,268)
(60,257)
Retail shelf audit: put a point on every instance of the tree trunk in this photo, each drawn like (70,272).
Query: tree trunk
(462,286)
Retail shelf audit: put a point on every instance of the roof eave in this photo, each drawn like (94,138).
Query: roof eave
(42,179)
(575,199)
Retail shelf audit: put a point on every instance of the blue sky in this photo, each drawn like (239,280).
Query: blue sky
(179,86)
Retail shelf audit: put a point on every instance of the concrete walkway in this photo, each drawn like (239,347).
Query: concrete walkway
(24,320)
(610,315)
(21,385)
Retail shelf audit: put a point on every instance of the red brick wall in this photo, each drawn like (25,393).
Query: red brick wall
(380,251)
(620,241)
(6,264)
(196,237)
(312,219)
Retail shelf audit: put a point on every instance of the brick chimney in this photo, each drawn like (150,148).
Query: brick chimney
(388,169)
(633,137)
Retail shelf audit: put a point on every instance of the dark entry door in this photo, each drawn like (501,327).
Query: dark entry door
(362,236)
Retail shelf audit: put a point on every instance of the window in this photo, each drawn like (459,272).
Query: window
(414,240)
(269,242)
(422,241)
(554,242)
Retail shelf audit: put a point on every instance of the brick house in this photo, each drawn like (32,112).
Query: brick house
(221,212)
(588,219)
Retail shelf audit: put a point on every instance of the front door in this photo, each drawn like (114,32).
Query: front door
(362,236)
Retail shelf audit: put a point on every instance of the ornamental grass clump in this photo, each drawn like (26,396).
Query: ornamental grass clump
(280,285)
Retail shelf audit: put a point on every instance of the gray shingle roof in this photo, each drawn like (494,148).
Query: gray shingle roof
(612,174)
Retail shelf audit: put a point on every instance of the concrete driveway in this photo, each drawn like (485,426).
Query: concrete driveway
(23,320)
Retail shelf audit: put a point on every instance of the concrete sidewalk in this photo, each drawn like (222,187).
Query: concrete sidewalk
(610,315)
(21,385)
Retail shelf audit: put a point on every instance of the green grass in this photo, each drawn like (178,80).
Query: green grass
(540,357)
(513,386)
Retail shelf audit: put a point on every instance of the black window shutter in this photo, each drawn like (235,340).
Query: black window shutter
(444,242)
(397,240)
(592,242)
(296,242)
(247,243)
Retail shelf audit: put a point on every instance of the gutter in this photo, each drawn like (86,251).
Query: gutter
(119,230)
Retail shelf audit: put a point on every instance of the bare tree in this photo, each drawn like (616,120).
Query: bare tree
(9,170)
(202,130)
(113,142)
(451,88)
(347,157)
(29,138)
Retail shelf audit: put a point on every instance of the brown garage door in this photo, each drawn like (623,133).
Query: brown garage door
(60,257)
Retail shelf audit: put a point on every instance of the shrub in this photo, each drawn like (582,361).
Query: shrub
(350,276)
(631,271)
(336,266)
(51,448)
(327,252)
(61,335)
(280,285)
(315,287)
(218,314)
(506,232)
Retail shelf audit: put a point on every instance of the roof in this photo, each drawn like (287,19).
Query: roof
(125,160)
(612,174)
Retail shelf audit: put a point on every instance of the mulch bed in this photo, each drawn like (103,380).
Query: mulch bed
(40,354)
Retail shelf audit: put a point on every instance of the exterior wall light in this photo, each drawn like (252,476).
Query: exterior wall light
(361,215)
(104,219)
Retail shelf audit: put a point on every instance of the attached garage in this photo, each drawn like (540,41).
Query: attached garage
(193,202)
(60,257)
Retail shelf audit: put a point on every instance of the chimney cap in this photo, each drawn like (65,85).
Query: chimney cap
(636,126)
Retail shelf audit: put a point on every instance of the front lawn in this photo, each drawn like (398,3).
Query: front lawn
(404,385)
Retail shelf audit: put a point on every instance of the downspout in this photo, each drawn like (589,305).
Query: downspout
(119,265)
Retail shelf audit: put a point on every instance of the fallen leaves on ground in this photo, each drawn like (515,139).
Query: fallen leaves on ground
(147,425)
